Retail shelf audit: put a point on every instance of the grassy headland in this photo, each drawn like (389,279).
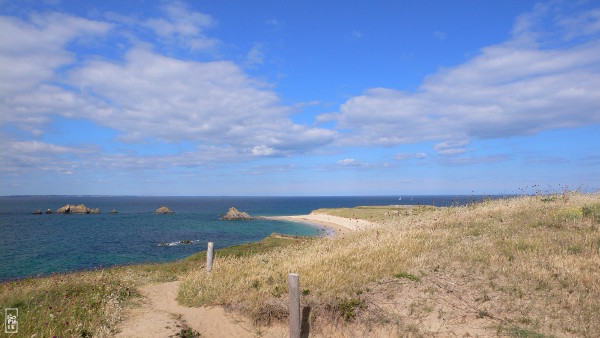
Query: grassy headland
(526,266)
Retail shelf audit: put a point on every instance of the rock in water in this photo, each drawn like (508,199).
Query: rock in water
(76,209)
(234,214)
(79,209)
(114,211)
(48,211)
(164,210)
(65,210)
(37,212)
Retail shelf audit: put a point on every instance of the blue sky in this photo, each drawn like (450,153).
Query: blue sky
(298,98)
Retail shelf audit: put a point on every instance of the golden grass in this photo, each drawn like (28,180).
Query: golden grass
(530,264)
(376,213)
(535,261)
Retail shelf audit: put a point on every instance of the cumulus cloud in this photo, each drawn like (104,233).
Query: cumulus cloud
(146,95)
(31,53)
(521,87)
(151,95)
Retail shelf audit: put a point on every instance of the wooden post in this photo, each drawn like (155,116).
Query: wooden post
(294,284)
(209,257)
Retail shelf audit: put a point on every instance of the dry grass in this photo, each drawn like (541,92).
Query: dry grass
(521,265)
(90,303)
(377,213)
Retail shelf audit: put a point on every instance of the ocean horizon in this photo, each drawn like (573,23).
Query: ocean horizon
(38,245)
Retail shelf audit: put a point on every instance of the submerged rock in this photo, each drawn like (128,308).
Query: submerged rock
(37,212)
(114,211)
(164,210)
(234,214)
(94,211)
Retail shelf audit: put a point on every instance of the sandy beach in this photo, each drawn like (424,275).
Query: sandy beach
(336,224)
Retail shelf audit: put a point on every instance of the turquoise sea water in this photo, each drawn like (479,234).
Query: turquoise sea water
(32,245)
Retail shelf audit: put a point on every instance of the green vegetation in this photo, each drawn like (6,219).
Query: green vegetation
(407,275)
(592,212)
(348,307)
(89,303)
(188,333)
(518,332)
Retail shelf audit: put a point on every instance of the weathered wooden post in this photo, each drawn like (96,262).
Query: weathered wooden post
(209,257)
(294,284)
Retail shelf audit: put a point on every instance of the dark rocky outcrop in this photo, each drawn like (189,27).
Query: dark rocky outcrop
(76,209)
(37,212)
(49,211)
(234,214)
(164,210)
(114,211)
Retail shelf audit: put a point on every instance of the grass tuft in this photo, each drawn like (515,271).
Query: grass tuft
(408,276)
(348,307)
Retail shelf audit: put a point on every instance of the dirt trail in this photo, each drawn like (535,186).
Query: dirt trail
(161,316)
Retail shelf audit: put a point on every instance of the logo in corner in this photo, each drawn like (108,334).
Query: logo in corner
(11,325)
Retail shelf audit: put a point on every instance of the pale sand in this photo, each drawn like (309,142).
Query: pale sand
(338,224)
(161,316)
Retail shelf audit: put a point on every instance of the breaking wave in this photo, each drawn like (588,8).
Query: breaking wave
(181,242)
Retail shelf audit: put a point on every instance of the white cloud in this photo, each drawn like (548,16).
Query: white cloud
(408,156)
(183,26)
(473,160)
(584,24)
(349,162)
(153,96)
(144,96)
(32,51)
(520,87)
(24,156)
(263,151)
(451,148)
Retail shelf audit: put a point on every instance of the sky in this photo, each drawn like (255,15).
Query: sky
(292,98)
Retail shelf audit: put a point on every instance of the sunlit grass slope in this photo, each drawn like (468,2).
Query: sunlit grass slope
(539,256)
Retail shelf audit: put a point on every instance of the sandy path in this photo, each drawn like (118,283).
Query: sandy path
(161,316)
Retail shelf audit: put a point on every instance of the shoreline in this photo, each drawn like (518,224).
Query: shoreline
(331,226)
(334,224)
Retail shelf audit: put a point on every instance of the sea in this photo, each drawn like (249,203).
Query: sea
(38,245)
